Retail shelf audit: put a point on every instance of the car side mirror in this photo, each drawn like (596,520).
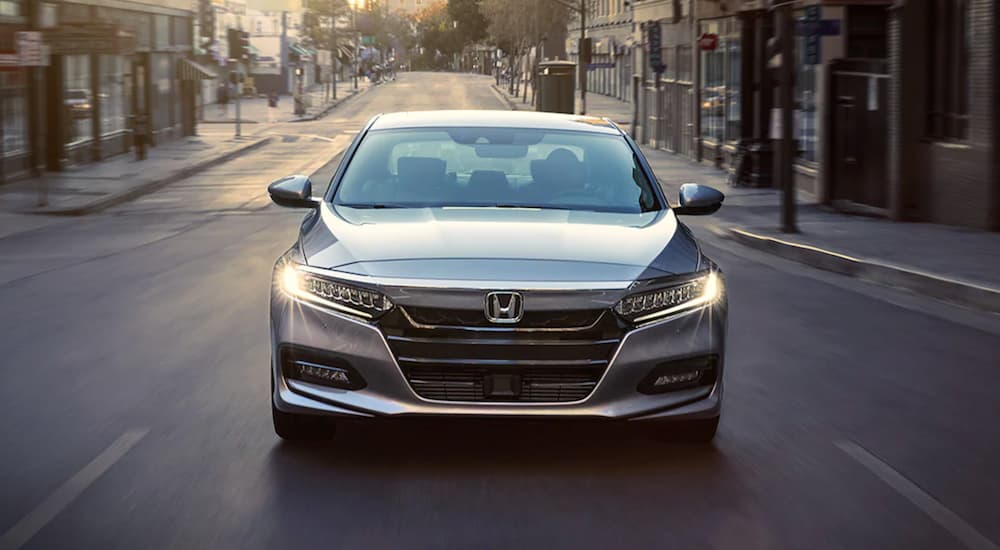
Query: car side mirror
(698,200)
(293,192)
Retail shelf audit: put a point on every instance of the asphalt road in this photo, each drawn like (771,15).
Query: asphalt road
(134,408)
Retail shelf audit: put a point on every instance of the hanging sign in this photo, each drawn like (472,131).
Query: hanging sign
(708,42)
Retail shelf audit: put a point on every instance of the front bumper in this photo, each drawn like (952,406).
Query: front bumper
(387,393)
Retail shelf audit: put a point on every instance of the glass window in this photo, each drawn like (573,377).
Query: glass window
(10,8)
(805,102)
(684,63)
(491,167)
(77,99)
(14,113)
(948,40)
(112,94)
(732,48)
(713,87)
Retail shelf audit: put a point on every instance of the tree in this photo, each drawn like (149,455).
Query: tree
(437,35)
(470,23)
(515,26)
(318,20)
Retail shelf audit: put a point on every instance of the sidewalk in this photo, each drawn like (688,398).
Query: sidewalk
(955,264)
(94,187)
(254,110)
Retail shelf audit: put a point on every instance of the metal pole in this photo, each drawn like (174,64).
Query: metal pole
(357,39)
(786,26)
(333,49)
(635,103)
(580,66)
(237,107)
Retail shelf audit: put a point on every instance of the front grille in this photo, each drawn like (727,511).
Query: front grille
(537,385)
(439,317)
(463,363)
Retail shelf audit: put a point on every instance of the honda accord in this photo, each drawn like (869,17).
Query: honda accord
(495,264)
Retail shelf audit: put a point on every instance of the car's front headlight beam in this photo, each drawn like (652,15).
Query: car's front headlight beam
(312,287)
(654,304)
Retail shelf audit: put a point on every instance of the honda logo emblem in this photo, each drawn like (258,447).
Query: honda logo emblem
(505,308)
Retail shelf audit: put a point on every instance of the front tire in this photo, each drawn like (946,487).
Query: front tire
(302,427)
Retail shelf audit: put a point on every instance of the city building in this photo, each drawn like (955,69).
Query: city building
(610,29)
(895,111)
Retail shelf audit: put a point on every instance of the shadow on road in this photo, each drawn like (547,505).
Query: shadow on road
(497,446)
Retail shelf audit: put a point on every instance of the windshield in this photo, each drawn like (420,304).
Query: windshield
(496,167)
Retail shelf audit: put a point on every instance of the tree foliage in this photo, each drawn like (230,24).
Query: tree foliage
(317,21)
(470,23)
(437,34)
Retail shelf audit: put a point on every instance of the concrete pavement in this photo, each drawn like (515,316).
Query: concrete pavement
(134,408)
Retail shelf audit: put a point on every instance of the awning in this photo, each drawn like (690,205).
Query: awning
(346,52)
(299,50)
(189,70)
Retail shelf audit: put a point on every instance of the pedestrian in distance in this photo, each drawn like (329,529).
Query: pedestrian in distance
(224,100)
(272,107)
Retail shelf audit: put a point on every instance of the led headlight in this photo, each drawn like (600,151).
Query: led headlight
(310,287)
(647,306)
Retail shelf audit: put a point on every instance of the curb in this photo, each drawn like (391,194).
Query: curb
(153,185)
(928,284)
(503,95)
(326,110)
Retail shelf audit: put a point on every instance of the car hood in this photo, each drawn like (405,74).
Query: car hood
(501,244)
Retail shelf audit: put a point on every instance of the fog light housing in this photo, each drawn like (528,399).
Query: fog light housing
(679,375)
(316,367)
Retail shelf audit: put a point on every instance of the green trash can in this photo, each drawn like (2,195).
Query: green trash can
(556,87)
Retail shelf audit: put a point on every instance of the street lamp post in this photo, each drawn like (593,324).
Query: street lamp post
(357,39)
(333,48)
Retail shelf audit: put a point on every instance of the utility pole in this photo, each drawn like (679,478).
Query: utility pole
(581,65)
(333,48)
(357,40)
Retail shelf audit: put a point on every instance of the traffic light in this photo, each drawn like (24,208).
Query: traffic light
(233,41)
(244,42)
(239,44)
(206,19)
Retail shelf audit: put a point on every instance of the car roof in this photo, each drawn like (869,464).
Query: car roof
(494,119)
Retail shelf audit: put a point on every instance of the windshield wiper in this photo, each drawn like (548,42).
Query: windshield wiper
(377,205)
(530,206)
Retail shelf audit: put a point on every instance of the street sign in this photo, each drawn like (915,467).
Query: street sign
(654,42)
(821,27)
(708,42)
(29,49)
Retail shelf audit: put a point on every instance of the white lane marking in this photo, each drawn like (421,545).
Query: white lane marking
(22,531)
(967,534)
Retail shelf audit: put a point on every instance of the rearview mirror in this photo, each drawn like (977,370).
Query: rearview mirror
(698,200)
(293,192)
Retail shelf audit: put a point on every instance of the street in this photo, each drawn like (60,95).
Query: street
(134,412)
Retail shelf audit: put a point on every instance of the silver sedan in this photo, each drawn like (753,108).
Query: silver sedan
(495,264)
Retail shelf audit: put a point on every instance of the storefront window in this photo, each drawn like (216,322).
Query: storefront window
(720,82)
(805,103)
(113,113)
(713,86)
(13,111)
(733,64)
(10,8)
(78,102)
